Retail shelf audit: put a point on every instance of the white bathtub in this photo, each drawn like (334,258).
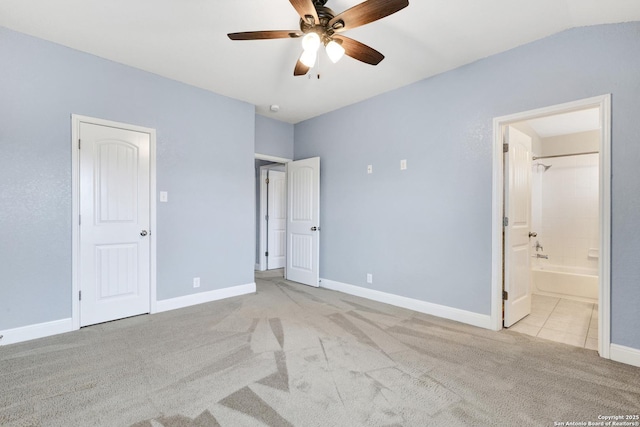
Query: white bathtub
(566,282)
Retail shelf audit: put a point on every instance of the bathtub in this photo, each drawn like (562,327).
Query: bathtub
(566,282)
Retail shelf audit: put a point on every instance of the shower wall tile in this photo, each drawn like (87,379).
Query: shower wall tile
(565,210)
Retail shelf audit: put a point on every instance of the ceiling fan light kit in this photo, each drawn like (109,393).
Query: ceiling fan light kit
(308,58)
(320,25)
(311,42)
(335,51)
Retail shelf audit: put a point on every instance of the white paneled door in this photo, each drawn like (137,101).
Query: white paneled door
(303,221)
(517,262)
(277,222)
(114,223)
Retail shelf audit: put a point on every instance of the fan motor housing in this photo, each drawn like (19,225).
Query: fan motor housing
(324,15)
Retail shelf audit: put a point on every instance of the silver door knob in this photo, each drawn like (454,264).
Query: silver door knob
(533,234)
(314,228)
(143,233)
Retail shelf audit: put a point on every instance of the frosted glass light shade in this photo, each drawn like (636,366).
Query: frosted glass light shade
(311,42)
(308,58)
(334,51)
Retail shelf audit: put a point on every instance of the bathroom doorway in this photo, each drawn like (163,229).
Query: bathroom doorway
(551,199)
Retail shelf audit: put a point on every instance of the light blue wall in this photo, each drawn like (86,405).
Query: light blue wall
(205,160)
(425,232)
(274,138)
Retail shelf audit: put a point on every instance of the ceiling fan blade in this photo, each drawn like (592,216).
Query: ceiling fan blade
(306,10)
(366,12)
(300,69)
(265,35)
(360,51)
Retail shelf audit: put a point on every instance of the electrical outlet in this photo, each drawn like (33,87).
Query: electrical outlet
(370,169)
(196,282)
(403,164)
(369,278)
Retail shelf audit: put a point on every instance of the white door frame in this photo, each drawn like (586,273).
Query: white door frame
(262,265)
(604,265)
(75,209)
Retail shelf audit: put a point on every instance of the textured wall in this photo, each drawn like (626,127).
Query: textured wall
(425,232)
(205,151)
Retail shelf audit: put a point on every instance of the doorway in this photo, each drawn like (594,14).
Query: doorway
(302,225)
(271,215)
(533,230)
(113,216)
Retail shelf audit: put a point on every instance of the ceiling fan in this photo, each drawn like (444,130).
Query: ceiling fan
(320,25)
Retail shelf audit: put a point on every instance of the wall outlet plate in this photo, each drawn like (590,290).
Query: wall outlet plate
(369,278)
(196,282)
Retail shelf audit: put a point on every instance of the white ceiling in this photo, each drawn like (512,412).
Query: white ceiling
(186,40)
(567,123)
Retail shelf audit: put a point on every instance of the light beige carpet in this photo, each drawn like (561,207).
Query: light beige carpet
(292,355)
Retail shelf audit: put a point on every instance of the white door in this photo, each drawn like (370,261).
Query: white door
(517,250)
(114,223)
(277,219)
(303,221)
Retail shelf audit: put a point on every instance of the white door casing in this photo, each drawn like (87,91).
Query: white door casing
(603,103)
(517,200)
(277,221)
(114,231)
(303,221)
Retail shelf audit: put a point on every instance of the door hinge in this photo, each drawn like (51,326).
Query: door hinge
(266,217)
(505,221)
(266,254)
(78,143)
(79,219)
(505,295)
(266,181)
(79,295)
(505,148)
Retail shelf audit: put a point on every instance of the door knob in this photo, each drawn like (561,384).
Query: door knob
(314,228)
(143,233)
(533,234)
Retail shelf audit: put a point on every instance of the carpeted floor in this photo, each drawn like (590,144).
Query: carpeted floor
(292,355)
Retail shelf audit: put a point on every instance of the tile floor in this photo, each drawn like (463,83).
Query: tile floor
(562,320)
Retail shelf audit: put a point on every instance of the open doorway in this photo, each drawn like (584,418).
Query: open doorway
(299,207)
(551,223)
(271,215)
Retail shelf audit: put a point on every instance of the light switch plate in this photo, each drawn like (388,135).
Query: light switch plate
(164,196)
(370,169)
(403,164)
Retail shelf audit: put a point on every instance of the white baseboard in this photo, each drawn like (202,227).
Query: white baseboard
(39,330)
(463,316)
(202,297)
(622,354)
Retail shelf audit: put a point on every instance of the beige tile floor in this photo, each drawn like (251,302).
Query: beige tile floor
(561,320)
